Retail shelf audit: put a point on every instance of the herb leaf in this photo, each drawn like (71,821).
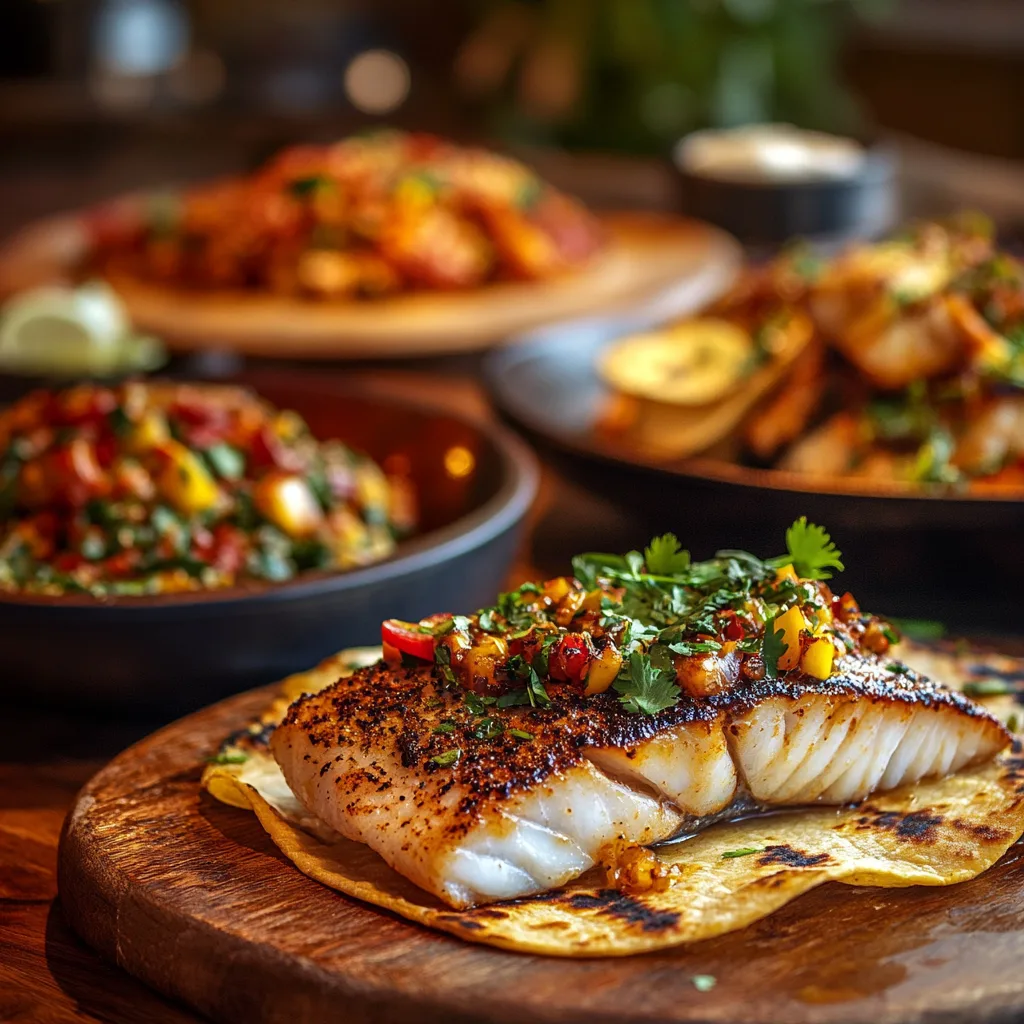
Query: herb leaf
(986,687)
(449,757)
(745,852)
(644,689)
(812,551)
(226,757)
(772,648)
(665,556)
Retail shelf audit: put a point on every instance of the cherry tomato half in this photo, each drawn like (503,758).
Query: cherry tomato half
(407,638)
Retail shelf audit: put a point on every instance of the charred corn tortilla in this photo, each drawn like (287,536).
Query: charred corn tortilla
(733,874)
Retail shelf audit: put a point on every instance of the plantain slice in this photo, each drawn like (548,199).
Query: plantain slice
(695,362)
(733,376)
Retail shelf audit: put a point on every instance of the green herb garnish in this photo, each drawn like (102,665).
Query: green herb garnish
(745,852)
(448,758)
(664,556)
(773,646)
(704,982)
(990,687)
(811,551)
(225,460)
(225,757)
(645,689)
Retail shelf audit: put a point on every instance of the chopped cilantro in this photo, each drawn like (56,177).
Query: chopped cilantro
(745,852)
(986,687)
(448,758)
(445,727)
(488,728)
(520,734)
(302,188)
(890,634)
(476,704)
(773,646)
(704,982)
(225,460)
(645,689)
(897,668)
(226,757)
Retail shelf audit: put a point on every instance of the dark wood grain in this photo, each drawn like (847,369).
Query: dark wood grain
(47,976)
(193,898)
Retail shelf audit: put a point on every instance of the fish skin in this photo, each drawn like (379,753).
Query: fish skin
(512,817)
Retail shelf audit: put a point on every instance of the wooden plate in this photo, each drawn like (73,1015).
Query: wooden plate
(192,897)
(648,255)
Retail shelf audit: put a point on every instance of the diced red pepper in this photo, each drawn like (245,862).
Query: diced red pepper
(733,629)
(229,547)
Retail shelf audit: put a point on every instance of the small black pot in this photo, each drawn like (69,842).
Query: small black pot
(768,213)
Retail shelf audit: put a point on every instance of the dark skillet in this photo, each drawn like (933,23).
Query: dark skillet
(185,650)
(909,552)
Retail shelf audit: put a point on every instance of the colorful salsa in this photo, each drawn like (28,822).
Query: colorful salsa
(149,488)
(364,217)
(653,626)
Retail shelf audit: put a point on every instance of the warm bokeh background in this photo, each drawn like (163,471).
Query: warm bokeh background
(101,95)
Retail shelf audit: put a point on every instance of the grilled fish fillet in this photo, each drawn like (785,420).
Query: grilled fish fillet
(389,758)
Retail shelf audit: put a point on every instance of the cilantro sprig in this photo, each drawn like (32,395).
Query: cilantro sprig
(645,689)
(811,551)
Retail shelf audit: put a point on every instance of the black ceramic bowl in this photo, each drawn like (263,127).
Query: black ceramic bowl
(908,552)
(770,212)
(185,650)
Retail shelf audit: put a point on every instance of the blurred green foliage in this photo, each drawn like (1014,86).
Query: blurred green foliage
(633,75)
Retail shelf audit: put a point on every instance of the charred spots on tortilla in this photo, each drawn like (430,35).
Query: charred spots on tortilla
(912,826)
(981,831)
(787,856)
(624,908)
(490,913)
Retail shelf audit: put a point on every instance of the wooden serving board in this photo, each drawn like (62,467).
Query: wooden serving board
(678,263)
(192,897)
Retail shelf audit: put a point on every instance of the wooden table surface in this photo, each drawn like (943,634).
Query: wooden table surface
(46,975)
(46,754)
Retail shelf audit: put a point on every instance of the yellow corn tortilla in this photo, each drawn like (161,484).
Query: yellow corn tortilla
(935,833)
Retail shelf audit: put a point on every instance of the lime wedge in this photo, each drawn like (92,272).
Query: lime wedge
(71,332)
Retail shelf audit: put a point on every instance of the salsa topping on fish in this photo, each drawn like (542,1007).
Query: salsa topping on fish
(652,626)
(502,754)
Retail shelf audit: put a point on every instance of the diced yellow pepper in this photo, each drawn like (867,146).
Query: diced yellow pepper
(792,623)
(787,572)
(557,588)
(184,481)
(149,432)
(482,659)
(817,659)
(289,503)
(592,602)
(603,670)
